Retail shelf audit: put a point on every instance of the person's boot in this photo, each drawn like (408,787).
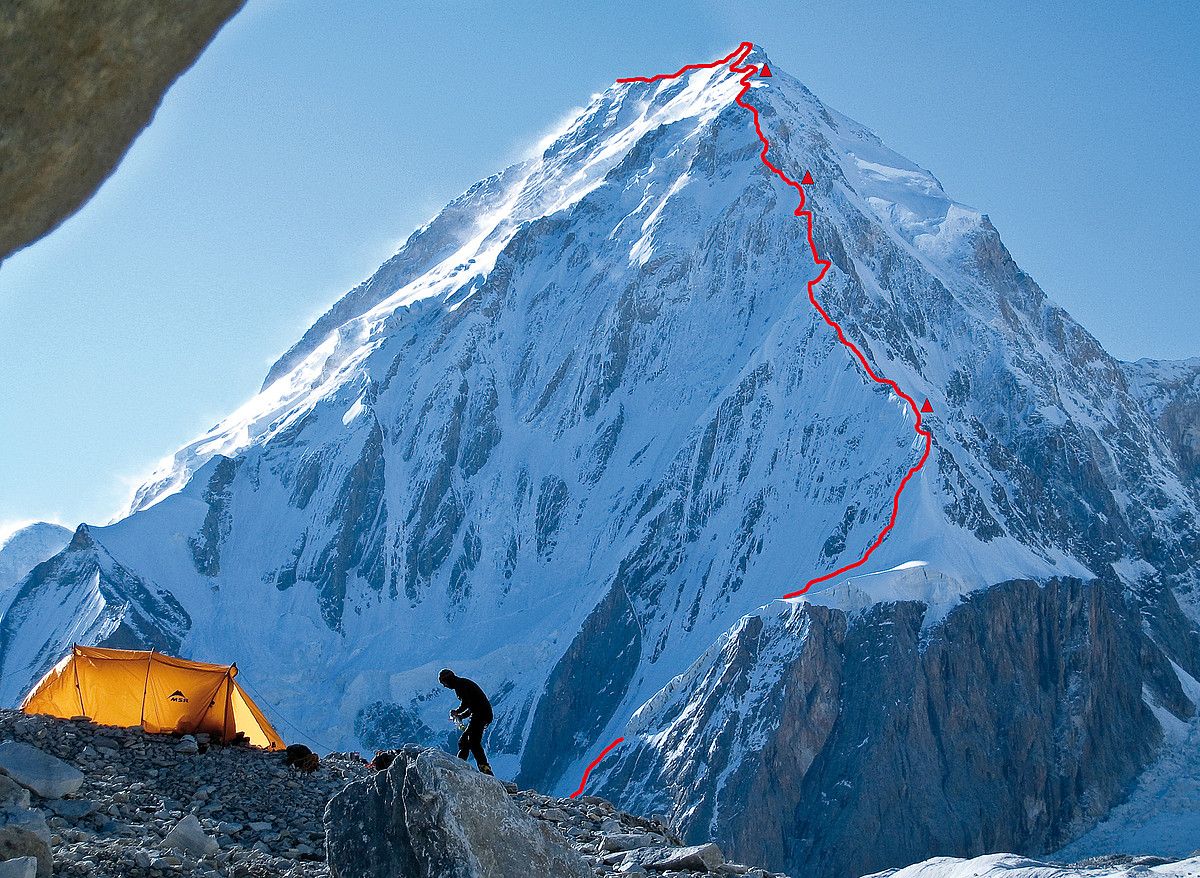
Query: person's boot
(486,769)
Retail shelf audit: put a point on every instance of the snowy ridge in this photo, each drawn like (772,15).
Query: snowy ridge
(23,550)
(576,161)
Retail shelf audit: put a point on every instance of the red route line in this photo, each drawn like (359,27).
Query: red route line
(594,763)
(734,59)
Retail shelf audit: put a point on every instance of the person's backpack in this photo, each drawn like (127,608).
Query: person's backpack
(301,758)
(383,758)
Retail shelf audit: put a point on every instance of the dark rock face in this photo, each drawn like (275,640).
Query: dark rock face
(583,690)
(78,83)
(1020,719)
(206,545)
(432,816)
(1009,725)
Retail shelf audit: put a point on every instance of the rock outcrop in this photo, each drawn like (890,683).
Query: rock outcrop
(78,83)
(432,816)
(885,737)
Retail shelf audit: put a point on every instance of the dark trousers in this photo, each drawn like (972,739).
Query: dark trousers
(471,742)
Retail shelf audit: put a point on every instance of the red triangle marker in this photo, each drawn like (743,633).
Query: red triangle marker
(766,71)
(926,408)
(807,181)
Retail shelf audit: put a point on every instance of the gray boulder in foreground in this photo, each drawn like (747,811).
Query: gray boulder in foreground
(20,867)
(46,775)
(433,816)
(24,833)
(12,794)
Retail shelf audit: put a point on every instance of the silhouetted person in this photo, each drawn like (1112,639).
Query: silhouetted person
(473,704)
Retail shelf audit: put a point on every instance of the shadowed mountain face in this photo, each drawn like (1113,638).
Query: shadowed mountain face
(79,82)
(850,742)
(586,420)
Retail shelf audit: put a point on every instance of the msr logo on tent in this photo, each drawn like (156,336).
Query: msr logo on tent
(178,697)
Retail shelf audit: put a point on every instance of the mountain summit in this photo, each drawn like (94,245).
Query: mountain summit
(587,419)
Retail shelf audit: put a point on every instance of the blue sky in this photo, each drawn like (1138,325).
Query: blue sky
(312,137)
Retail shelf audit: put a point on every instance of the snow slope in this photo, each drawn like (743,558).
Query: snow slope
(1012,866)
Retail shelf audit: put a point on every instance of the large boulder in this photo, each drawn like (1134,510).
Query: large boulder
(24,833)
(433,816)
(20,867)
(12,794)
(189,836)
(697,858)
(46,775)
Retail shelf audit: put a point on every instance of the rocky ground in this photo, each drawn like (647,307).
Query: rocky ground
(615,843)
(97,801)
(151,806)
(264,818)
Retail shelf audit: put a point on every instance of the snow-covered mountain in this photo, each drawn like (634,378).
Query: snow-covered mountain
(24,549)
(586,422)
(1170,390)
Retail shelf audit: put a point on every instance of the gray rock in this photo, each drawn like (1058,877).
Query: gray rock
(627,841)
(24,833)
(118,59)
(705,857)
(12,794)
(189,837)
(432,816)
(632,868)
(46,775)
(19,867)
(187,746)
(72,809)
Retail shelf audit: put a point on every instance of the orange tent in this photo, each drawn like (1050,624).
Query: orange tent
(123,687)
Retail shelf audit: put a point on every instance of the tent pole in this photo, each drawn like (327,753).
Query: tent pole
(225,733)
(75,666)
(146,687)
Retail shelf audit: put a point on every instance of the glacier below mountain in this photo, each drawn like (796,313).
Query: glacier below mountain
(583,430)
